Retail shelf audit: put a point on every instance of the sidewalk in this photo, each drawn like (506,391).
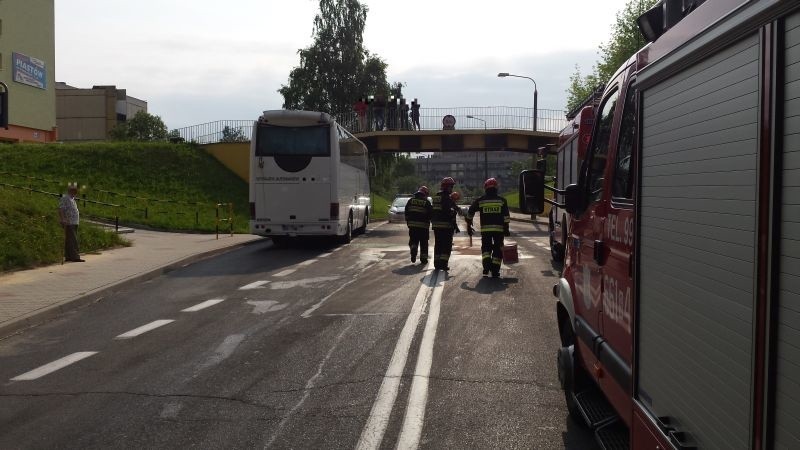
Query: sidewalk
(29,297)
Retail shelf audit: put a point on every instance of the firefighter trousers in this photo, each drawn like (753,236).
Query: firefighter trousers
(491,251)
(442,246)
(418,238)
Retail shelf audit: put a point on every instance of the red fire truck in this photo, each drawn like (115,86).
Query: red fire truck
(572,144)
(679,301)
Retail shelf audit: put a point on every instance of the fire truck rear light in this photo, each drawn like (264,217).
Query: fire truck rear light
(334,210)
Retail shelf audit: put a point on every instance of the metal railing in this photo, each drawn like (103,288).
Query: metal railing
(489,117)
(106,205)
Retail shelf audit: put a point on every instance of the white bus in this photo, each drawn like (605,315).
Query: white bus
(308,177)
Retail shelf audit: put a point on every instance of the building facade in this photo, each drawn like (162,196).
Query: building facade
(27,67)
(471,169)
(91,114)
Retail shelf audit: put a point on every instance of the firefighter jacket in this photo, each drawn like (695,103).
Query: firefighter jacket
(444,212)
(494,213)
(418,212)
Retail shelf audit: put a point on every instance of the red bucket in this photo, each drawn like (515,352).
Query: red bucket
(510,254)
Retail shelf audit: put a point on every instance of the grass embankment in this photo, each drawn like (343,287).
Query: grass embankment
(380,207)
(30,234)
(162,186)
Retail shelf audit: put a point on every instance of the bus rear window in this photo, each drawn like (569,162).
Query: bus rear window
(293,141)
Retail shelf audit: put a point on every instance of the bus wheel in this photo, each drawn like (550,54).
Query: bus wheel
(348,234)
(363,228)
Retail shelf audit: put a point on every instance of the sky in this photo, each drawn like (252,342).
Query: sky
(200,61)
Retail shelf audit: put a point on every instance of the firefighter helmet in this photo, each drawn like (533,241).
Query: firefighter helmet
(455,196)
(448,181)
(490,183)
(424,190)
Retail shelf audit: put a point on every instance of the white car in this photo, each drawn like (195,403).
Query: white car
(398,208)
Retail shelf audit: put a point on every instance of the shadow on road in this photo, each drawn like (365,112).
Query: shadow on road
(489,285)
(411,269)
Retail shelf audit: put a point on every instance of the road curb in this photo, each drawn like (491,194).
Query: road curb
(55,310)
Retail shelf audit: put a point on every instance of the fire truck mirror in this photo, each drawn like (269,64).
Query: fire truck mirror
(541,165)
(531,192)
(573,202)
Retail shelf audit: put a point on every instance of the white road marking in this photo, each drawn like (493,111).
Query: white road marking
(171,410)
(372,434)
(305,282)
(204,305)
(254,285)
(324,255)
(307,313)
(540,244)
(306,263)
(144,329)
(224,350)
(418,398)
(283,273)
(310,384)
(265,306)
(53,366)
(362,314)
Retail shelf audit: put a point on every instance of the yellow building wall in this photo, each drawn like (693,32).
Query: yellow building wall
(28,27)
(234,155)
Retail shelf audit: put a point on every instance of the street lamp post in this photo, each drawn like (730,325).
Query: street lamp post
(485,152)
(535,94)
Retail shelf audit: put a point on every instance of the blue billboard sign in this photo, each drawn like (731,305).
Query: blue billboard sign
(28,70)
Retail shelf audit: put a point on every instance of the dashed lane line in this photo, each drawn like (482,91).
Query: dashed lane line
(306,263)
(254,285)
(53,366)
(204,305)
(284,273)
(144,329)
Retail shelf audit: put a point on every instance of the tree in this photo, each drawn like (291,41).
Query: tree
(624,42)
(336,69)
(580,88)
(232,135)
(142,127)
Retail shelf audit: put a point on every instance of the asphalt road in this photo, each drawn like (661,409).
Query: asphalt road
(310,346)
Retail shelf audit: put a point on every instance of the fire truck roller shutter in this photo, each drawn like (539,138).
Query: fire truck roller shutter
(698,240)
(787,392)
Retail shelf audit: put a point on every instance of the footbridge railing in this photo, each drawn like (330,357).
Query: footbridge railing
(466,118)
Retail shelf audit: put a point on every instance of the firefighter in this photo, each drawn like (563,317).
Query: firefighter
(455,197)
(418,220)
(443,220)
(494,225)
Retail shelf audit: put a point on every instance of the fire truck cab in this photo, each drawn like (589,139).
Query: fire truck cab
(679,301)
(572,144)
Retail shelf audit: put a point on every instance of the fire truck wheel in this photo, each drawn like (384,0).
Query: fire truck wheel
(571,378)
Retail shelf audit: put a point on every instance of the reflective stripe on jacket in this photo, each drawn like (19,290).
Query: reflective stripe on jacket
(495,216)
(418,211)
(444,211)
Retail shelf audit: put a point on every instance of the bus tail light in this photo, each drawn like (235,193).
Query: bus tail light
(252,211)
(334,210)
